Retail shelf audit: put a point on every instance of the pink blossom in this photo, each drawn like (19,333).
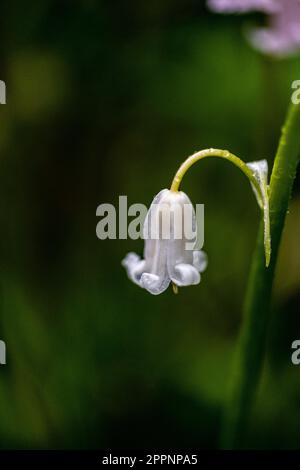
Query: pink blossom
(281,37)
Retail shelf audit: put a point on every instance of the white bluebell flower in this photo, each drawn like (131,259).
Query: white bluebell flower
(170,231)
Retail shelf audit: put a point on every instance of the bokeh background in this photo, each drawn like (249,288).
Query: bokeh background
(107,99)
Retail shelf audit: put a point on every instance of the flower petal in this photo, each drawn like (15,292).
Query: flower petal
(134,266)
(200,261)
(154,284)
(185,275)
(260,171)
(152,229)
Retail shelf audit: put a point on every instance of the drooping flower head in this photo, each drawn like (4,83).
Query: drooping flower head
(170,229)
(282,35)
(170,232)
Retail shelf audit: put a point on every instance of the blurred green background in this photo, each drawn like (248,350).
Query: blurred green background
(107,99)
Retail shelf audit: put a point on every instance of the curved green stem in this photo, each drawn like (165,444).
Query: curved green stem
(213,153)
(250,351)
(258,184)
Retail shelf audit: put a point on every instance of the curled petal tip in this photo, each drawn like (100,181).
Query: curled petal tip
(200,261)
(185,275)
